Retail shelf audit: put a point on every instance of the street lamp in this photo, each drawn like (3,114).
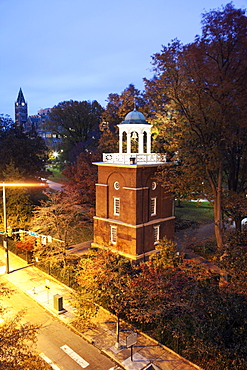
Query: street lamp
(5,241)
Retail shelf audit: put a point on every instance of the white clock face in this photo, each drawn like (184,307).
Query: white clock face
(22,103)
(154,185)
(116,185)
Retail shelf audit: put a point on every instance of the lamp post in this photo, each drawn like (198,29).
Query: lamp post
(5,241)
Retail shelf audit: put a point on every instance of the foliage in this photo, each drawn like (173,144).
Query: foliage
(27,244)
(204,85)
(75,122)
(119,105)
(62,218)
(233,259)
(5,123)
(17,340)
(27,153)
(108,142)
(102,276)
(166,255)
(181,305)
(18,204)
(82,176)
(85,309)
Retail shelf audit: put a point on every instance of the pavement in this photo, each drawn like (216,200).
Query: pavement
(55,297)
(185,240)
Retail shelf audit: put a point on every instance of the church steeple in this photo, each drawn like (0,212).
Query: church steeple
(20,98)
(20,109)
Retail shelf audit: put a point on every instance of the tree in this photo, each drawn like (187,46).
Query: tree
(102,277)
(82,176)
(5,123)
(27,154)
(75,122)
(17,341)
(234,261)
(205,85)
(167,254)
(27,245)
(19,207)
(182,305)
(119,105)
(62,218)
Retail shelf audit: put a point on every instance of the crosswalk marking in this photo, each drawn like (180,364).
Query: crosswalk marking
(83,363)
(55,367)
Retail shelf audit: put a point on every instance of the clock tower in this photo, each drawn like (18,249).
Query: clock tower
(133,210)
(20,110)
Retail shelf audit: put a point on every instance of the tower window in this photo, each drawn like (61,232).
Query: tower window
(156,234)
(116,206)
(114,234)
(153,206)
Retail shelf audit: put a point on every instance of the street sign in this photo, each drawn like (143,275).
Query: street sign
(47,284)
(43,239)
(131,339)
(33,233)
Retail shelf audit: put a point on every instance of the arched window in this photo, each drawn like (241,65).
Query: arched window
(124,142)
(145,142)
(134,142)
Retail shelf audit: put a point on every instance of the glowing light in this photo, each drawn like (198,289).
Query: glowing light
(55,154)
(23,184)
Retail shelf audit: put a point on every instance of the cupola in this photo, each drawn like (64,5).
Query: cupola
(135,134)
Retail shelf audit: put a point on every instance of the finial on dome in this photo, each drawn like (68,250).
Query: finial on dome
(134,103)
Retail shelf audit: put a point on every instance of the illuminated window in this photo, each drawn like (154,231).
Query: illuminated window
(114,234)
(116,206)
(156,234)
(153,206)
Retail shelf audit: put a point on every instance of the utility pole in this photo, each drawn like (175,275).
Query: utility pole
(5,241)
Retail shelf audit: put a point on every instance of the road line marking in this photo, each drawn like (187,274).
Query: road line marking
(83,363)
(55,367)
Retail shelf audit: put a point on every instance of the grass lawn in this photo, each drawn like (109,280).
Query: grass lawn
(57,175)
(201,212)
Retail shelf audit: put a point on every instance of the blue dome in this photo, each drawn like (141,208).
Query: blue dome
(135,117)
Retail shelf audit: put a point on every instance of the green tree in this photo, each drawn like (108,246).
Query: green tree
(27,154)
(205,85)
(75,122)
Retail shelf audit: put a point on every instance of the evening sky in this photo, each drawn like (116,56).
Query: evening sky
(58,50)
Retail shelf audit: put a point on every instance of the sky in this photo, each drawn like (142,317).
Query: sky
(60,50)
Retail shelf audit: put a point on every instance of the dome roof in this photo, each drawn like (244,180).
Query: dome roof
(134,117)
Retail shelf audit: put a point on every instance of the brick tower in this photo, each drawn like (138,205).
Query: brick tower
(132,210)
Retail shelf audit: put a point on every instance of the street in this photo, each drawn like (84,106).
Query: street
(57,344)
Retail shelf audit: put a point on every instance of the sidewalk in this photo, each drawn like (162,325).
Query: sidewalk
(147,353)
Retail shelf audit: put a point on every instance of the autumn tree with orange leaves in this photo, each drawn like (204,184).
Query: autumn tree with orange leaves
(204,127)
(180,304)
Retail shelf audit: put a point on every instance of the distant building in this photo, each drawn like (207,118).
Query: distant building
(21,114)
(35,122)
(133,210)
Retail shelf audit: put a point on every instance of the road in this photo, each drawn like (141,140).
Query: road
(56,342)
(54,185)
